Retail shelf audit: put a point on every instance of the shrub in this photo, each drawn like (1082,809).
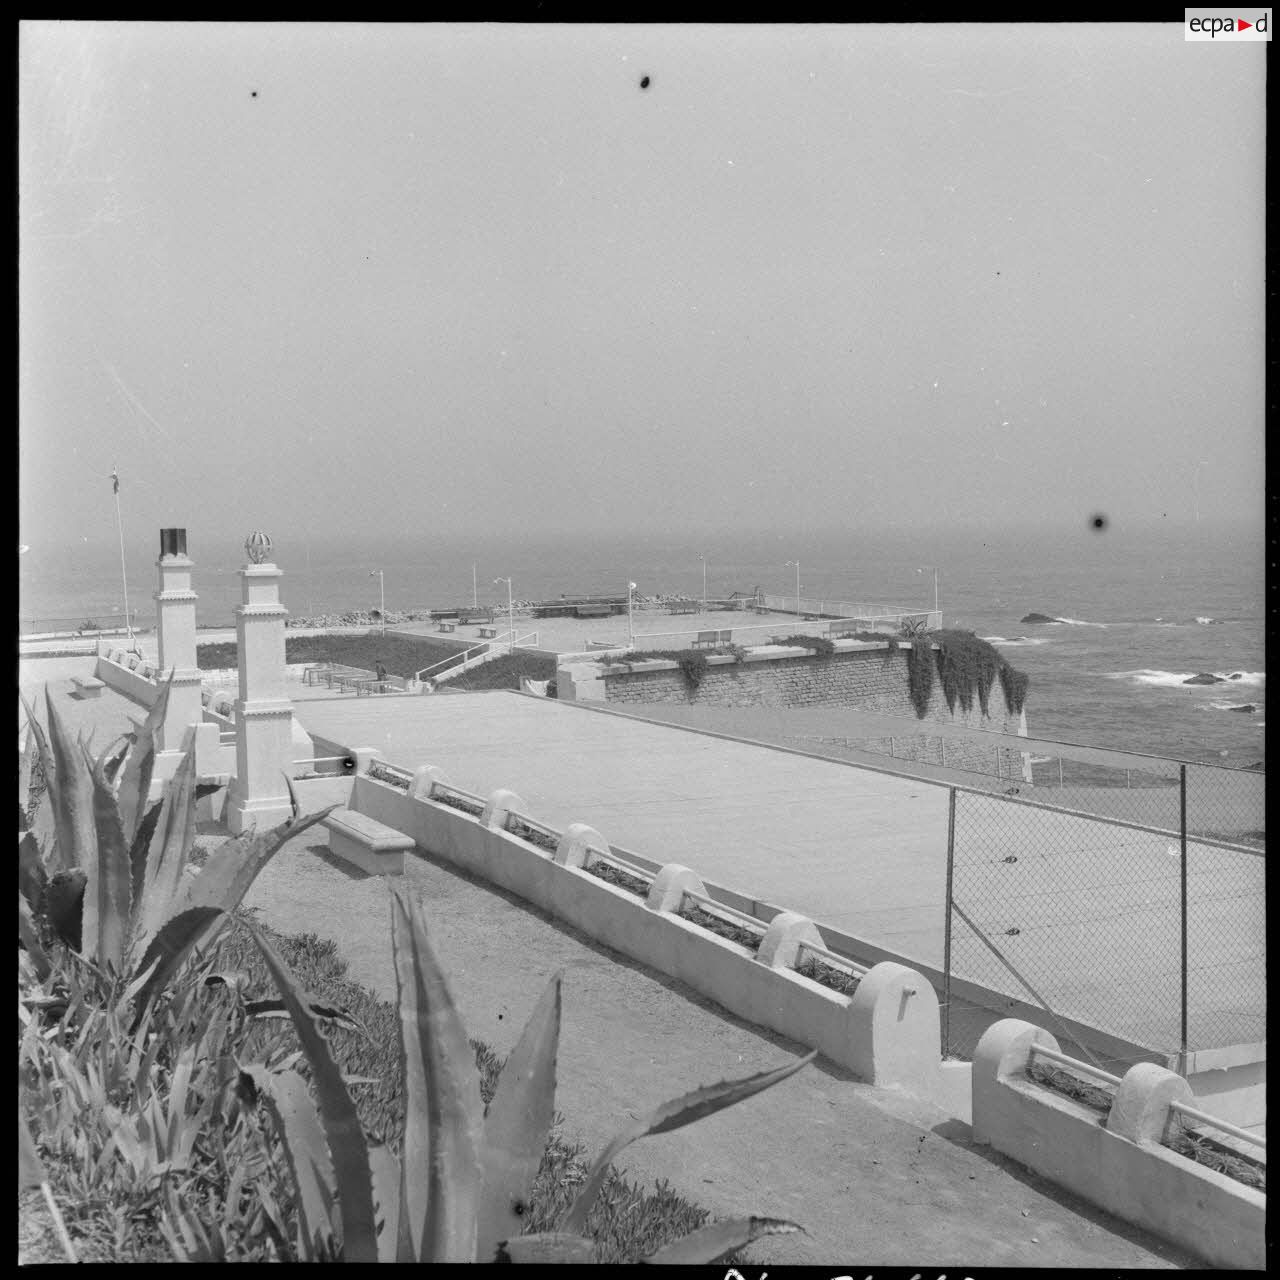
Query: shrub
(920,675)
(966,664)
(821,645)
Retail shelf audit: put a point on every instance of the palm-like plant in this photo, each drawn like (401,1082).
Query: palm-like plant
(107,873)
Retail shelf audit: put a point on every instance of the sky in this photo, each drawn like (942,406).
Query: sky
(379,279)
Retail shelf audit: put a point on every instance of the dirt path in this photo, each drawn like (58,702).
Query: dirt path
(875,1176)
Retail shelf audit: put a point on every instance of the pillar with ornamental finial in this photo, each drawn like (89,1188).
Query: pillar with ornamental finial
(265,747)
(176,637)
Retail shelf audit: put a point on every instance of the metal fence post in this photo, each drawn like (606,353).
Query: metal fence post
(946,943)
(1182,898)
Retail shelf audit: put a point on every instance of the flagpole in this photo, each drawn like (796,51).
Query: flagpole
(124,580)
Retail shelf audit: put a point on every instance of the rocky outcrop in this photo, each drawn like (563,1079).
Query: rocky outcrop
(1205,677)
(1039,617)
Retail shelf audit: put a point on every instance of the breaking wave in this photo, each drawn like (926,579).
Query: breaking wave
(1016,641)
(1175,679)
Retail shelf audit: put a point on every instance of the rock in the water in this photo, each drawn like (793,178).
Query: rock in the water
(1248,709)
(1039,617)
(1204,677)
(1236,675)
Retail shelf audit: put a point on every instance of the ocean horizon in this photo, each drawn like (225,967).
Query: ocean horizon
(1138,612)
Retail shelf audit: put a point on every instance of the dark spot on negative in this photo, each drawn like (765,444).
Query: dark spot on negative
(644,82)
(254,94)
(1097,522)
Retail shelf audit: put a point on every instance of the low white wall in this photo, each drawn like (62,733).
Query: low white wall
(1117,1164)
(887,1033)
(117,674)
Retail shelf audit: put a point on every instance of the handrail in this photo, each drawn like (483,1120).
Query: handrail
(731,911)
(1202,1117)
(450,789)
(463,654)
(1085,1068)
(533,824)
(858,970)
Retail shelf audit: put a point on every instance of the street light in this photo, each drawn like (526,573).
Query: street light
(475,599)
(704,582)
(934,567)
(631,630)
(797,565)
(382,598)
(511,616)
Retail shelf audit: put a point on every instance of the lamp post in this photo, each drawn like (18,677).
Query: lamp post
(797,565)
(631,630)
(382,599)
(934,567)
(704,582)
(124,580)
(511,616)
(475,599)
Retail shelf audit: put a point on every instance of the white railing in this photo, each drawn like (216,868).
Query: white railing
(1180,1108)
(463,654)
(613,860)
(719,909)
(841,962)
(1084,1068)
(1203,1118)
(533,824)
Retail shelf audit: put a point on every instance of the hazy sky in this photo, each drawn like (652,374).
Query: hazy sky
(339,278)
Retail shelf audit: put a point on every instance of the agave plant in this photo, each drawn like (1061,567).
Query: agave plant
(459,1185)
(105,871)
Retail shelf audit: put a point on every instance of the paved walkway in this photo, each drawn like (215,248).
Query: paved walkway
(876,1177)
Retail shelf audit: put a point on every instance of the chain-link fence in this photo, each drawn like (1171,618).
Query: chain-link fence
(1120,924)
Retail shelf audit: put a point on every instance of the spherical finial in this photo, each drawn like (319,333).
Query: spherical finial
(257,546)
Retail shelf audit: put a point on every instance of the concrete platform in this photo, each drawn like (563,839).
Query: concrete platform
(862,851)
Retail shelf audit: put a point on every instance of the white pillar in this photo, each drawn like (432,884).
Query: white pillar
(259,795)
(176,633)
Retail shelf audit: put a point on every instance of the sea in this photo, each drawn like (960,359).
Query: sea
(1136,613)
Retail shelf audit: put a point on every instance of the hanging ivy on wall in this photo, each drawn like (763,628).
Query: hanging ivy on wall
(965,665)
(920,674)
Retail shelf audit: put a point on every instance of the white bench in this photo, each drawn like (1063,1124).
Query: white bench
(366,843)
(712,639)
(87,686)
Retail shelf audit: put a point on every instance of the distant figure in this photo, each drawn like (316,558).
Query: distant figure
(379,670)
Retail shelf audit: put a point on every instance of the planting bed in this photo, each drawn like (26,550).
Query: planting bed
(379,774)
(828,975)
(1098,1097)
(516,827)
(738,933)
(402,655)
(621,879)
(459,802)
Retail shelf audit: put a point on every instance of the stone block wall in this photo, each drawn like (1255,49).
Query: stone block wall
(873,679)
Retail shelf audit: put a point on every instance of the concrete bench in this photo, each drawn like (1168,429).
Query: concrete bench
(837,629)
(448,626)
(87,686)
(684,606)
(488,633)
(366,843)
(711,639)
(593,610)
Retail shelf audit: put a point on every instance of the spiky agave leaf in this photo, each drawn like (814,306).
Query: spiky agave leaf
(385,1168)
(165,952)
(138,852)
(712,1242)
(234,865)
(173,834)
(555,1248)
(135,782)
(32,876)
(695,1105)
(70,797)
(443,1120)
(112,882)
(294,1115)
(348,1148)
(26,768)
(517,1125)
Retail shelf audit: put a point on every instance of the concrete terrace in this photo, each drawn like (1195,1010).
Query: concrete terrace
(858,850)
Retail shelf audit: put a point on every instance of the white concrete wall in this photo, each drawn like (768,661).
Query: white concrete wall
(882,1033)
(1133,1177)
